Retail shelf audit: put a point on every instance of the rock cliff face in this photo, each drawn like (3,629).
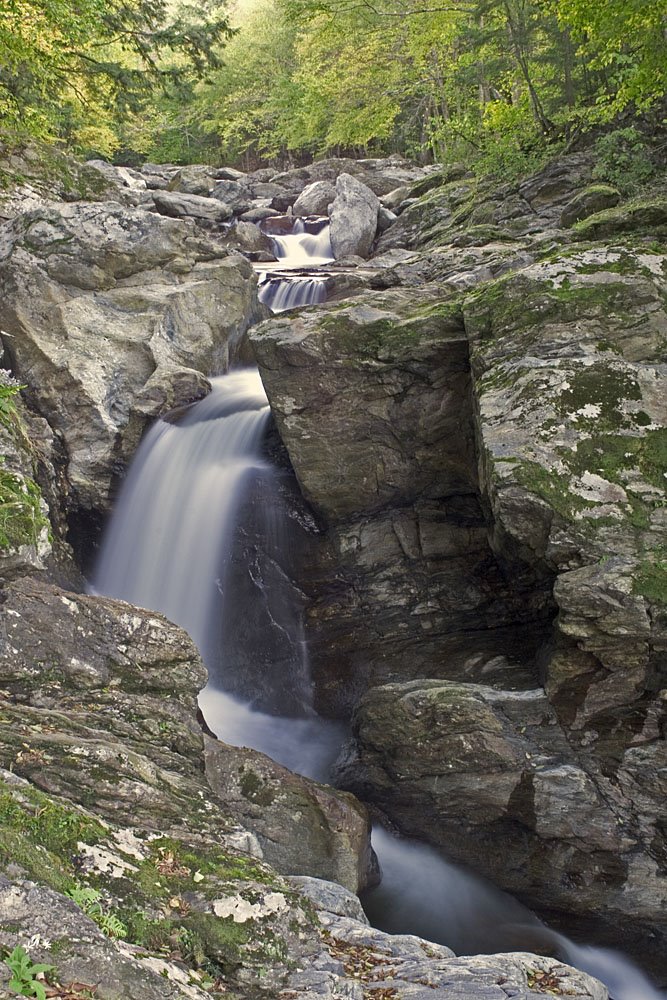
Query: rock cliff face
(485,445)
(479,430)
(111,315)
(373,399)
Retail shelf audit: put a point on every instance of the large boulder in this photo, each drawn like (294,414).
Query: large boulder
(468,767)
(315,199)
(354,218)
(99,304)
(178,205)
(333,841)
(372,399)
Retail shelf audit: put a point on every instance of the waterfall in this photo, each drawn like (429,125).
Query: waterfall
(170,547)
(422,893)
(302,247)
(280,295)
(304,244)
(169,540)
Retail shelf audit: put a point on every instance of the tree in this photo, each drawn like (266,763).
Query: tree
(70,64)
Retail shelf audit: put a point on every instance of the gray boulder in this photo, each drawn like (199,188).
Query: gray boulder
(235,194)
(315,199)
(354,217)
(194,179)
(95,299)
(178,205)
(333,838)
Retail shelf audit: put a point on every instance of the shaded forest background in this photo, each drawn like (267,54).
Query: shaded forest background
(500,84)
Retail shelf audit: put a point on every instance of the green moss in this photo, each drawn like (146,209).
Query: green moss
(651,580)
(42,837)
(642,215)
(609,455)
(393,335)
(220,938)
(255,789)
(21,518)
(521,305)
(605,386)
(552,487)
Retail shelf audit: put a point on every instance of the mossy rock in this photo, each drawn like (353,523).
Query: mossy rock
(646,217)
(593,199)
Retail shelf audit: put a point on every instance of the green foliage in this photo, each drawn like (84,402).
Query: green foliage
(88,900)
(21,517)
(9,388)
(623,159)
(74,69)
(25,972)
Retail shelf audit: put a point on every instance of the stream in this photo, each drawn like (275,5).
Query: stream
(169,547)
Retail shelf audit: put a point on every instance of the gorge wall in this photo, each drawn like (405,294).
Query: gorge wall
(476,422)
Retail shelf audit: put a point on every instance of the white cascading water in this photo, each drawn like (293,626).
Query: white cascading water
(169,544)
(301,248)
(294,250)
(168,548)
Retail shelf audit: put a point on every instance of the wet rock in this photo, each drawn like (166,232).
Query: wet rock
(178,205)
(315,199)
(354,217)
(466,767)
(96,299)
(333,840)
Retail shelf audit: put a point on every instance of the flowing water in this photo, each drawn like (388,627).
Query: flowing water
(300,248)
(170,547)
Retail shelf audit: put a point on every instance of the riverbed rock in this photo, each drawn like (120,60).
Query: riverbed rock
(467,766)
(315,199)
(178,205)
(371,397)
(333,842)
(234,194)
(354,217)
(95,298)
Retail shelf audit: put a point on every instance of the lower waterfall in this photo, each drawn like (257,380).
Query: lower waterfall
(169,548)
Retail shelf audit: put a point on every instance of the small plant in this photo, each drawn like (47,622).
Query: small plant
(623,159)
(88,900)
(9,387)
(26,974)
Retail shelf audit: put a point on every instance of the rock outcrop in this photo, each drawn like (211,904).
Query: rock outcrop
(372,398)
(110,314)
(122,683)
(468,766)
(354,218)
(565,401)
